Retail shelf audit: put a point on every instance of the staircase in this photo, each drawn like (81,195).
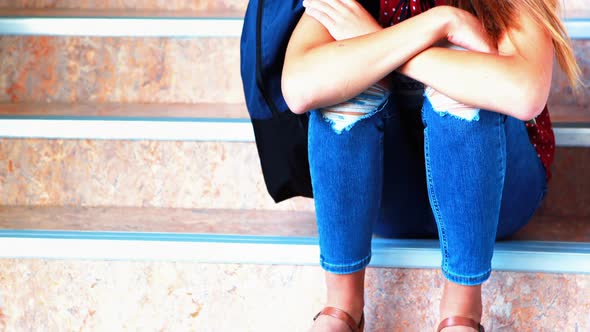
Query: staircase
(131,196)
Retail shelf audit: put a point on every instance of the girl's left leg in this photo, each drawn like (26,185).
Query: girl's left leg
(484,180)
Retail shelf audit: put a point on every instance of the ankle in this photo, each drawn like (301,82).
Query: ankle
(346,292)
(459,300)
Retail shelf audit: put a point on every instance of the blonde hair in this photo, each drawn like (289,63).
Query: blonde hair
(498,16)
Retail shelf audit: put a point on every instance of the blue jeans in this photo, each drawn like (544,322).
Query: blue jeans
(402,173)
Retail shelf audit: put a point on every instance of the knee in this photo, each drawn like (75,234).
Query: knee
(444,106)
(344,116)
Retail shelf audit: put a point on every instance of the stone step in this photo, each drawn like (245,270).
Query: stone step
(135,173)
(165,220)
(200,175)
(81,69)
(120,70)
(188,122)
(188,296)
(135,220)
(198,277)
(159,70)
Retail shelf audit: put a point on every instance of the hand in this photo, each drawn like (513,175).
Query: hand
(344,19)
(466,30)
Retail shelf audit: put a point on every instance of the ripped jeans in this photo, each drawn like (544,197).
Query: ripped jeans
(402,173)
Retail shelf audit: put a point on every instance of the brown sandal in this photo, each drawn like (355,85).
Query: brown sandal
(460,321)
(343,316)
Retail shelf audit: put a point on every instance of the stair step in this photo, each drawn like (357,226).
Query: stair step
(152,112)
(179,122)
(184,122)
(136,24)
(184,296)
(119,83)
(568,193)
(520,256)
(161,220)
(123,23)
(135,173)
(202,175)
(158,70)
(228,222)
(120,70)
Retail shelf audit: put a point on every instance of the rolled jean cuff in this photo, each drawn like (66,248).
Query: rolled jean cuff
(472,280)
(345,268)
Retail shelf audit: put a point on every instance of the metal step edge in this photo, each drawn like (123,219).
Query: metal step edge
(578,28)
(183,129)
(546,257)
(167,129)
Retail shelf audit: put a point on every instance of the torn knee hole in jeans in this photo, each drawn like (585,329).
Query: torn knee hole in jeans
(345,115)
(444,105)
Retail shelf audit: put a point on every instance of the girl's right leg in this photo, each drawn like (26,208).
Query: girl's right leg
(347,175)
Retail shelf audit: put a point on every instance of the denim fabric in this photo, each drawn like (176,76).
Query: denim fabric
(402,173)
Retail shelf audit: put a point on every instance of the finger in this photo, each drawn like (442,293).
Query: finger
(321,17)
(341,6)
(350,4)
(324,7)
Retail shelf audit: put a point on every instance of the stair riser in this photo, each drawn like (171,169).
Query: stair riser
(156,70)
(569,190)
(134,173)
(193,175)
(190,296)
(234,5)
(120,70)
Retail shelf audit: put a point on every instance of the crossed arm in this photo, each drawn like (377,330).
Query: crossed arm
(321,71)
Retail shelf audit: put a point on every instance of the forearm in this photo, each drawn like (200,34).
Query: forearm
(505,84)
(339,70)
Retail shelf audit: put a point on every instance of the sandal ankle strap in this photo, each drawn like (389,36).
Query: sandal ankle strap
(460,321)
(343,316)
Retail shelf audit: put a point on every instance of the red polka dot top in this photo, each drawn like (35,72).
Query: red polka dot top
(540,130)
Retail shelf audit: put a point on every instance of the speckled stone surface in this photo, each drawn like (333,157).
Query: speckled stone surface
(170,296)
(109,111)
(569,191)
(135,173)
(156,70)
(241,222)
(161,220)
(125,70)
(129,4)
(193,175)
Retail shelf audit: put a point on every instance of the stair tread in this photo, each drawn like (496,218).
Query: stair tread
(165,220)
(198,110)
(556,228)
(227,221)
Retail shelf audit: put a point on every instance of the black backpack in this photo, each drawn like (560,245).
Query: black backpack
(281,136)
